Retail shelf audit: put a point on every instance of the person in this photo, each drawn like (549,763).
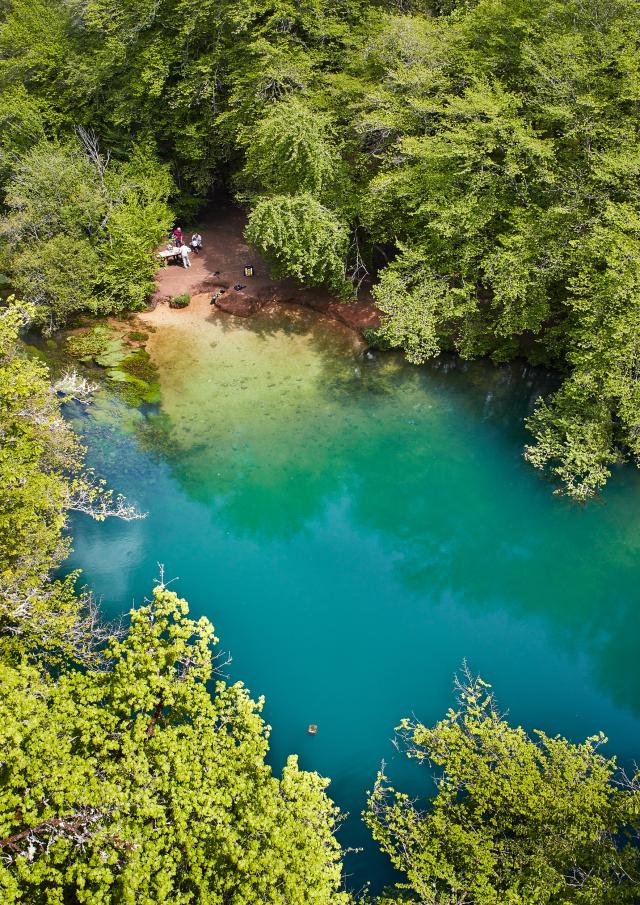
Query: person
(185,251)
(177,236)
(196,242)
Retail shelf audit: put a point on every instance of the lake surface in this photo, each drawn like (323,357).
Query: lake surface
(356,528)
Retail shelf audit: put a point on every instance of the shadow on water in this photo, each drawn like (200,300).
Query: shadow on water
(355,528)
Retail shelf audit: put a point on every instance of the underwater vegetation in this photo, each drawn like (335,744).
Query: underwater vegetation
(122,355)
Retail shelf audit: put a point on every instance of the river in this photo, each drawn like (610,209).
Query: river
(355,528)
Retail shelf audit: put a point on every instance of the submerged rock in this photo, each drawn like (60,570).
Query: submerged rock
(233,303)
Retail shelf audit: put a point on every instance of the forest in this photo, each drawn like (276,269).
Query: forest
(477,162)
(479,159)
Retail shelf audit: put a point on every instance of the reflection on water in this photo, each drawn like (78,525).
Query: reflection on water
(355,528)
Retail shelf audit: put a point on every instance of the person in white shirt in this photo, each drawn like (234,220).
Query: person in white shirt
(185,251)
(196,243)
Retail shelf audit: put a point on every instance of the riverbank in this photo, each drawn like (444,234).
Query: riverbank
(220,267)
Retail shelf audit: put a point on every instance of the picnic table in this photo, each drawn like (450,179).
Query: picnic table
(170,254)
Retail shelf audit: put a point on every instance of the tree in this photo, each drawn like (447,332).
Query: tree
(515,819)
(301,238)
(82,230)
(38,455)
(139,216)
(593,420)
(422,309)
(289,152)
(21,127)
(131,783)
(42,479)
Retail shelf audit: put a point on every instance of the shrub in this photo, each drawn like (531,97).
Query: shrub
(180,301)
(375,340)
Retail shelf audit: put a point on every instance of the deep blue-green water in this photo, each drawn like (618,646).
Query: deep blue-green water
(355,529)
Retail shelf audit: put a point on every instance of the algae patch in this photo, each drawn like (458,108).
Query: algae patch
(119,351)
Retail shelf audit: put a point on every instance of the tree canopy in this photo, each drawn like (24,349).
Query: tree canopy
(516,818)
(131,783)
(80,233)
(479,158)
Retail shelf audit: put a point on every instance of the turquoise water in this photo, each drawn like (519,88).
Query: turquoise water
(356,528)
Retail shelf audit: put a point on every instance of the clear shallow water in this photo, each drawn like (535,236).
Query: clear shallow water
(354,529)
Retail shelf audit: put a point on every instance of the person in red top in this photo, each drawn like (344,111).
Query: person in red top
(177,236)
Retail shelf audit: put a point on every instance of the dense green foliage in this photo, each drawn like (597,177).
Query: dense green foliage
(516,819)
(131,783)
(79,234)
(41,479)
(301,237)
(290,153)
(484,151)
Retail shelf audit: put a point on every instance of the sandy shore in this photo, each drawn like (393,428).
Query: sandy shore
(220,266)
